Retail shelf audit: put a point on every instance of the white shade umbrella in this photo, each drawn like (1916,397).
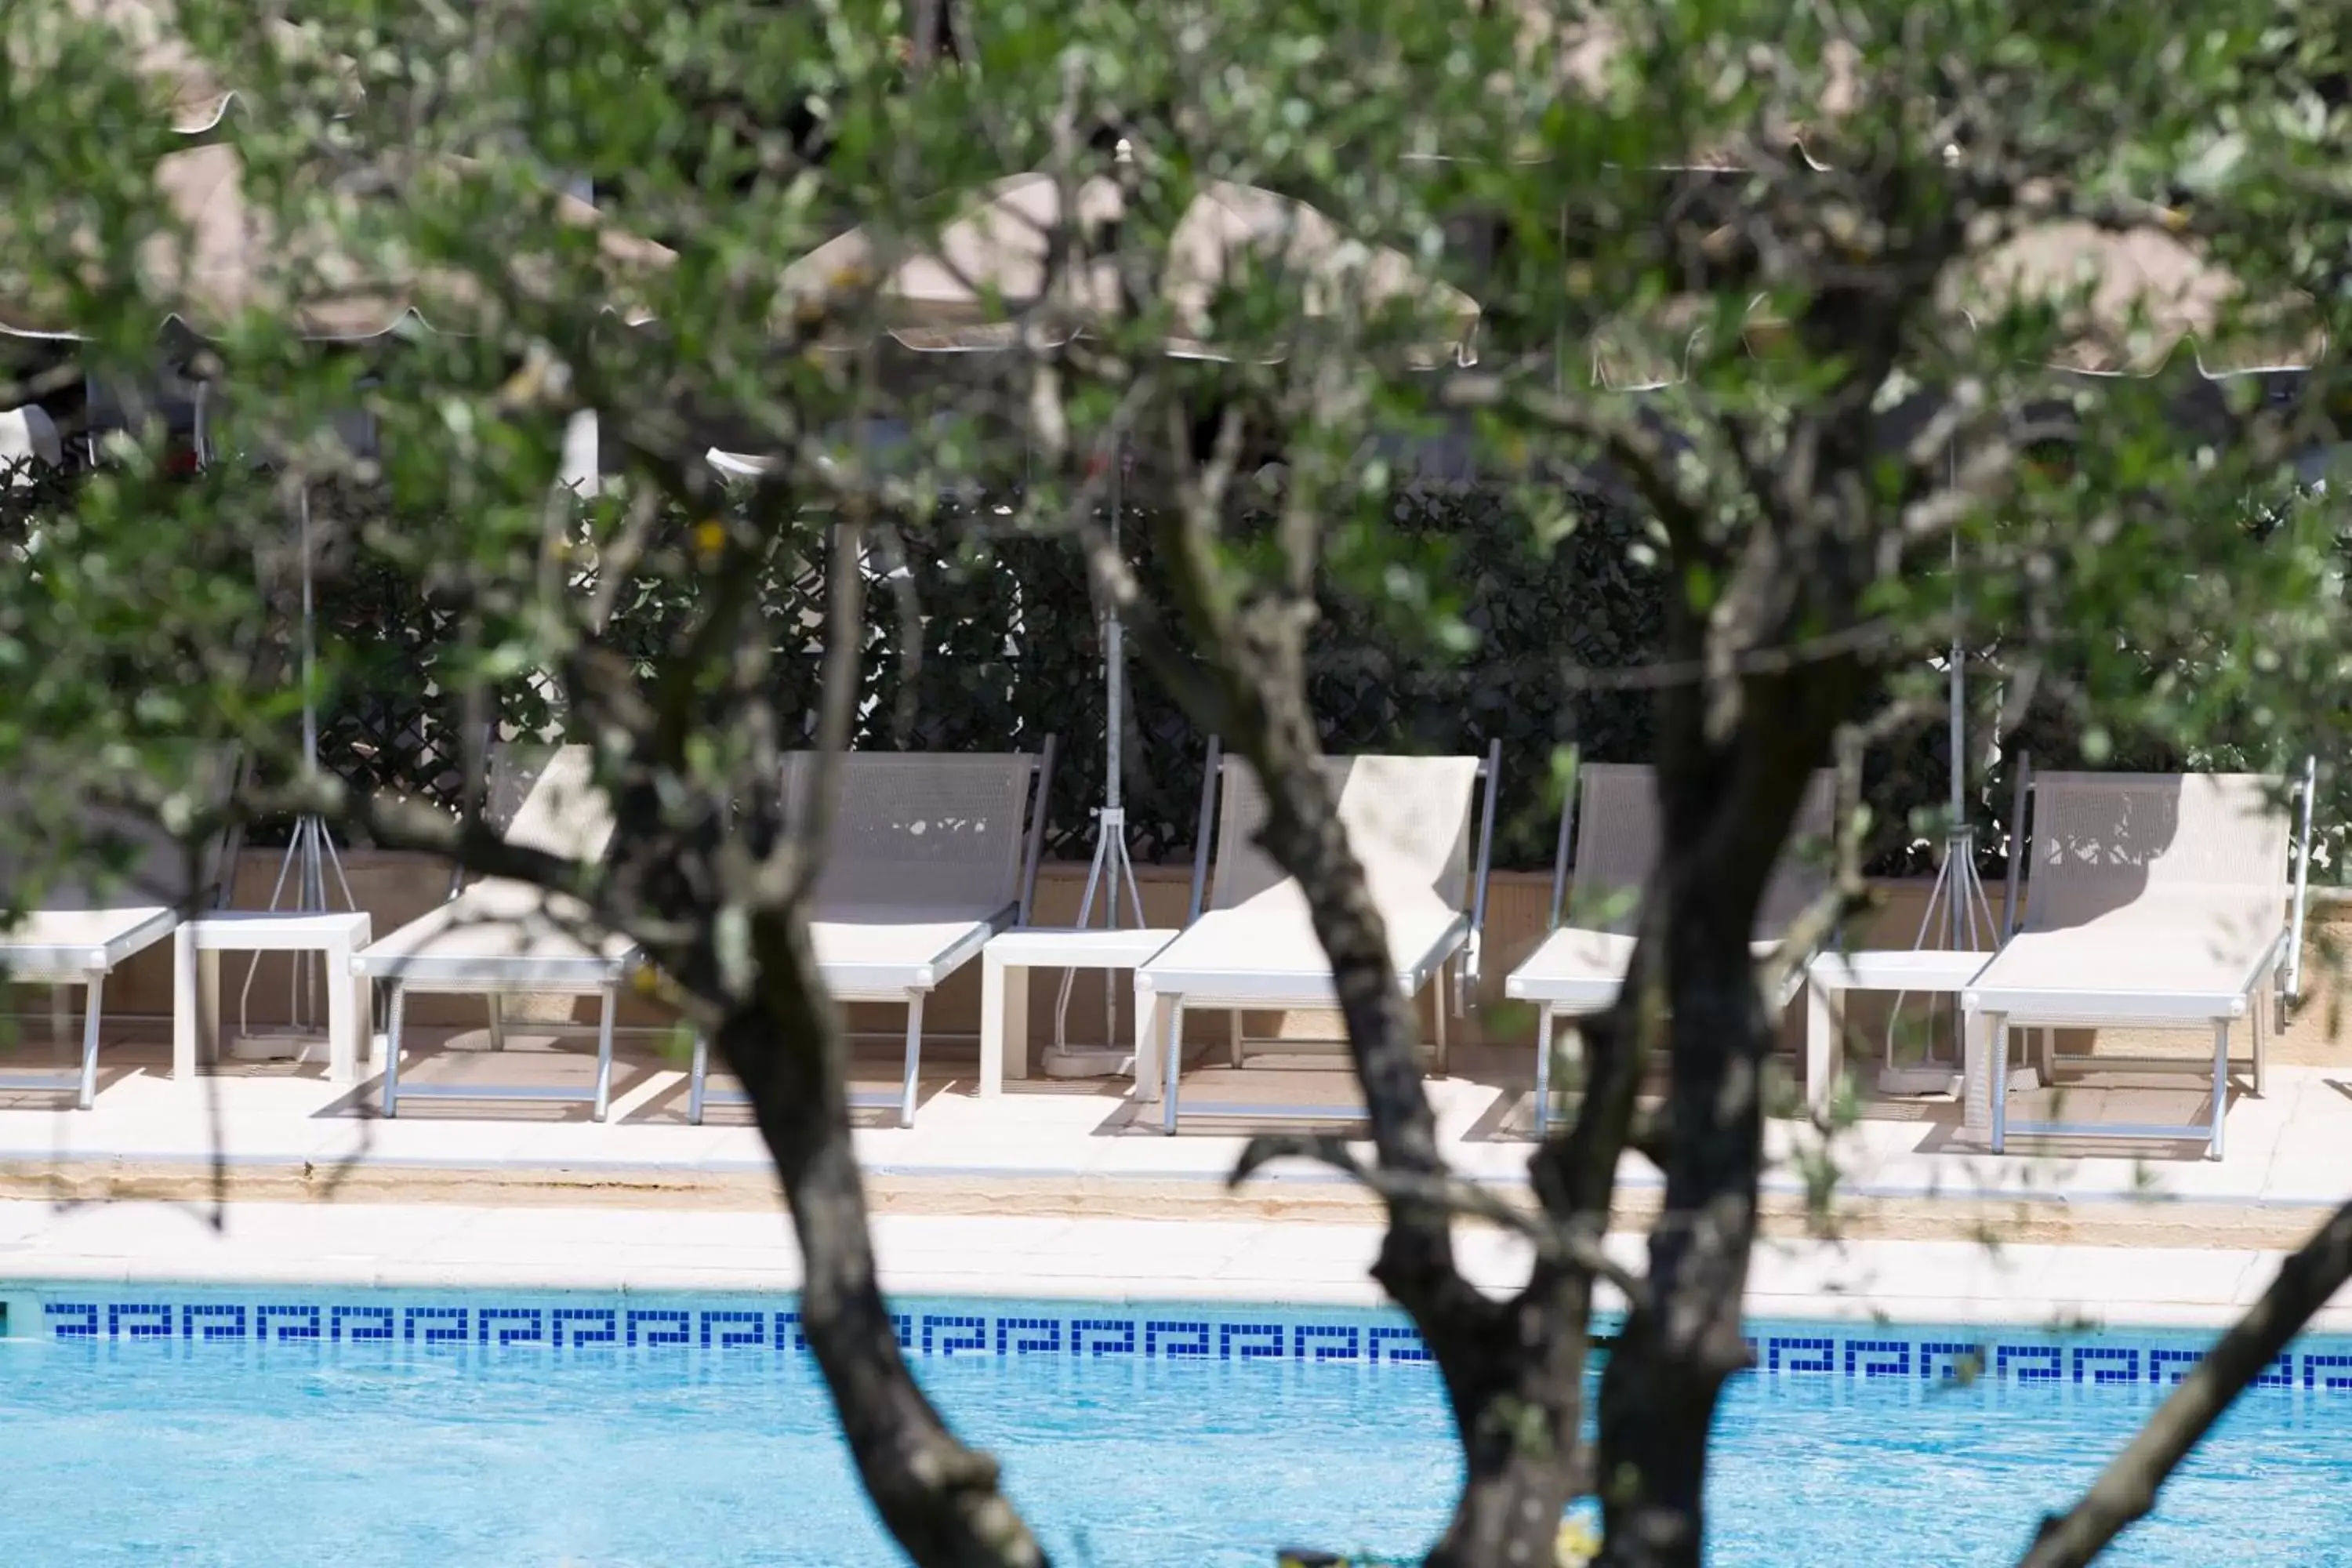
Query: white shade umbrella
(213,256)
(985,280)
(2127,299)
(27,436)
(190,93)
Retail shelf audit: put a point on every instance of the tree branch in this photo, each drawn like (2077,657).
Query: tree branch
(1847,891)
(941,1499)
(2126,1491)
(1868,637)
(1644,454)
(811,819)
(1110,578)
(467,840)
(1556,1241)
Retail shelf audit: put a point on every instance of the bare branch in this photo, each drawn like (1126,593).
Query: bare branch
(1869,637)
(1111,579)
(411,824)
(1982,474)
(1115,585)
(1847,891)
(1559,1241)
(1643,453)
(844,634)
(733,580)
(899,573)
(468,841)
(2126,1491)
(617,562)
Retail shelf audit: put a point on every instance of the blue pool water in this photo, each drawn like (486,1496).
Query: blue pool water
(194,1432)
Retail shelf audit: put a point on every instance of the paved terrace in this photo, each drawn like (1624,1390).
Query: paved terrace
(270,1173)
(1075,1149)
(653,1251)
(1063,1151)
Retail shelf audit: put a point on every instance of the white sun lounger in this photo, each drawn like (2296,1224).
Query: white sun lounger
(2156,900)
(1614,822)
(496,937)
(1409,820)
(82,933)
(929,854)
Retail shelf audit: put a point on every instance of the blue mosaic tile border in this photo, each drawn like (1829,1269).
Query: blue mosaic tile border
(927,1330)
(738,1325)
(2103,1358)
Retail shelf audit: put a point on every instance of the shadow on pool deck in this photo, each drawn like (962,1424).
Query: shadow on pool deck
(1906,1168)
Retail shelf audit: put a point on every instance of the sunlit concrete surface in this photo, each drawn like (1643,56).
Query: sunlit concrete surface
(1904,1170)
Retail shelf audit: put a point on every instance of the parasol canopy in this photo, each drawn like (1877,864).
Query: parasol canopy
(990,276)
(2125,301)
(214,255)
(1642,352)
(192,95)
(1584,56)
(27,437)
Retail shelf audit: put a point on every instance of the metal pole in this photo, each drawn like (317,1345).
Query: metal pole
(1957,680)
(1114,706)
(2310,786)
(1112,872)
(1110,868)
(309,852)
(1958,916)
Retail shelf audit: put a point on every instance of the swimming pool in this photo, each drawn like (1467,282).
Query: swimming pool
(406,1429)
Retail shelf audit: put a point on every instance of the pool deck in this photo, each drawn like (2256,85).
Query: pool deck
(271,1173)
(1058,1151)
(635,1250)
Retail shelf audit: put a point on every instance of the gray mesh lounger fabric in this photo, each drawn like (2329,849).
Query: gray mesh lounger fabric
(1579,966)
(927,853)
(496,937)
(2152,899)
(924,867)
(1409,822)
(928,856)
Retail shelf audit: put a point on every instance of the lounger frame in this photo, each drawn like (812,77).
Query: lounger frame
(1628,846)
(585,969)
(1992,1010)
(910,984)
(88,964)
(1460,940)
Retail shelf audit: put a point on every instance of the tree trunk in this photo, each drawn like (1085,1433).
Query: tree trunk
(1513,1372)
(1735,761)
(1658,1395)
(1518,1399)
(938,1497)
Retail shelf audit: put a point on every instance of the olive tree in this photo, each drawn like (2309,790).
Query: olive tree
(1781,283)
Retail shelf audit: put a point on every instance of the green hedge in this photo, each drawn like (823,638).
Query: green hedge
(979,642)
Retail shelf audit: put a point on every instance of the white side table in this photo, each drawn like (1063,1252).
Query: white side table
(196,947)
(1004,965)
(1832,974)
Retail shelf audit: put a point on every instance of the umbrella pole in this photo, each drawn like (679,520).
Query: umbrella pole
(310,854)
(1112,872)
(1958,916)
